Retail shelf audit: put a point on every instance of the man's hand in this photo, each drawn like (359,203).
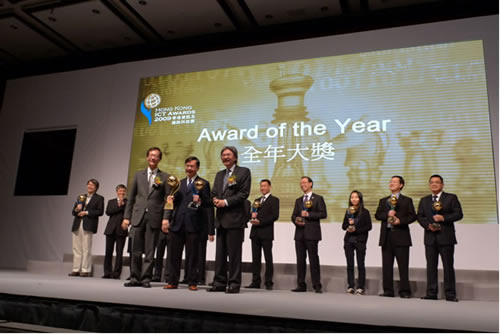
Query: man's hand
(82,213)
(396,221)
(433,228)
(196,199)
(220,203)
(165,225)
(255,221)
(300,221)
(305,213)
(125,224)
(391,213)
(211,238)
(438,218)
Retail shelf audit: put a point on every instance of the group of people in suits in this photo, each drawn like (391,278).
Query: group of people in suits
(184,218)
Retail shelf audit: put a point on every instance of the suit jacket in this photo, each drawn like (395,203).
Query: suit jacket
(362,224)
(193,220)
(405,211)
(115,213)
(451,211)
(142,198)
(237,213)
(312,229)
(95,208)
(268,213)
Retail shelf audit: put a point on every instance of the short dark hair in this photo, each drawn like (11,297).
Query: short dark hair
(360,195)
(95,182)
(308,179)
(154,148)
(120,186)
(401,180)
(232,149)
(265,180)
(191,158)
(436,175)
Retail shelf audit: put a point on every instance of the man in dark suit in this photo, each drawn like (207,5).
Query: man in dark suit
(86,211)
(229,195)
(439,236)
(262,235)
(115,234)
(192,209)
(145,210)
(395,238)
(307,212)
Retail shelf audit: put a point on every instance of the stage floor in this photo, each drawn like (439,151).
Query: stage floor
(333,307)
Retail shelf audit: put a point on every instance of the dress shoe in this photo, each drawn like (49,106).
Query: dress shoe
(146,284)
(451,299)
(106,276)
(170,286)
(405,295)
(299,289)
(385,294)
(233,290)
(350,291)
(193,288)
(74,273)
(216,289)
(84,275)
(115,276)
(269,287)
(252,286)
(360,292)
(132,284)
(318,290)
(429,297)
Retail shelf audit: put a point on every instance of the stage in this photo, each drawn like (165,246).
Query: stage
(24,291)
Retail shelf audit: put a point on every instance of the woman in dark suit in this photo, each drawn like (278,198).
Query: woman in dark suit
(357,223)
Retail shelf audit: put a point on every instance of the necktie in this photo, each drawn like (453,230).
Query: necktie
(434,198)
(226,177)
(262,199)
(150,179)
(190,183)
(305,199)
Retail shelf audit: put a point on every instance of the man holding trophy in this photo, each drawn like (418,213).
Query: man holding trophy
(395,212)
(307,212)
(265,211)
(144,210)
(192,209)
(437,213)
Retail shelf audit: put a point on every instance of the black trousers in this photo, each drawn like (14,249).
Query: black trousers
(144,240)
(360,249)
(202,259)
(432,256)
(176,243)
(258,245)
(228,246)
(112,241)
(160,255)
(304,248)
(402,255)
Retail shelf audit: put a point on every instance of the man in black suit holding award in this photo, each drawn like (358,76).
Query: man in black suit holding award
(145,210)
(115,234)
(229,195)
(192,209)
(437,213)
(265,211)
(308,211)
(395,212)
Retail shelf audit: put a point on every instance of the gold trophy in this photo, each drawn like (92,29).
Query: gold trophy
(305,207)
(436,207)
(351,211)
(255,209)
(198,186)
(393,201)
(174,184)
(80,201)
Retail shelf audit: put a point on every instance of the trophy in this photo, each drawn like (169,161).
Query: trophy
(80,201)
(436,207)
(174,184)
(305,207)
(197,187)
(393,201)
(351,211)
(255,210)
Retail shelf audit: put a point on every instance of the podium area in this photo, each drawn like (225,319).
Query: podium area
(44,295)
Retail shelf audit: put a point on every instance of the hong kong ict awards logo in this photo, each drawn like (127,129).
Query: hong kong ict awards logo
(151,101)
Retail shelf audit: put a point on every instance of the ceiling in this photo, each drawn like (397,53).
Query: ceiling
(43,36)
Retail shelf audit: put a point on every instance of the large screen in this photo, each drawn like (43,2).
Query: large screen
(348,122)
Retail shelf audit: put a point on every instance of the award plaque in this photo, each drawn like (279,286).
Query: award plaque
(393,201)
(174,184)
(436,207)
(197,187)
(351,211)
